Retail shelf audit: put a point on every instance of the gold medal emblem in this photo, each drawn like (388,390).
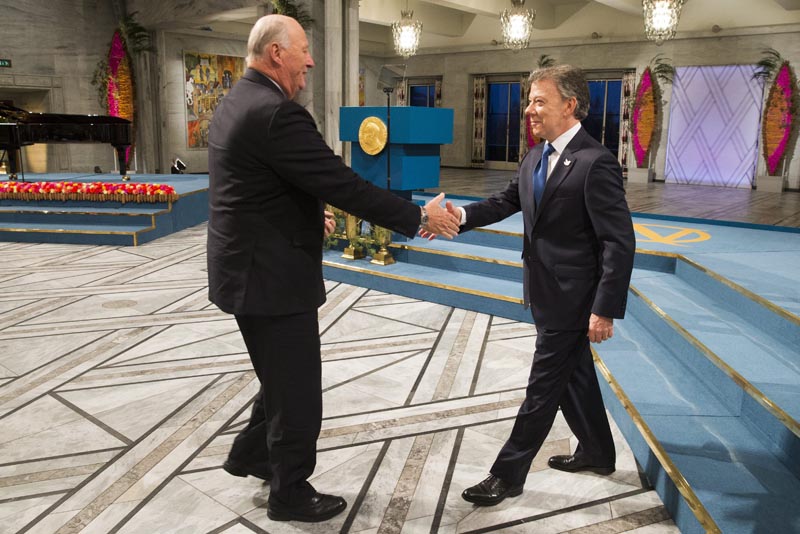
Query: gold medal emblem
(372,135)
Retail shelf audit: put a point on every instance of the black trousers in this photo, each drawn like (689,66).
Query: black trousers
(562,375)
(286,418)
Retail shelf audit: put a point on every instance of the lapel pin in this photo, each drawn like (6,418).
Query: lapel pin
(567,162)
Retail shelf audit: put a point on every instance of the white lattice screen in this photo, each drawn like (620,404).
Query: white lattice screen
(714,124)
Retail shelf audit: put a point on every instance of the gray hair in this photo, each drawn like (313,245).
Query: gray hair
(570,82)
(268,29)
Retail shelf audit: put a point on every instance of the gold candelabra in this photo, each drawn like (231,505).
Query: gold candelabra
(359,243)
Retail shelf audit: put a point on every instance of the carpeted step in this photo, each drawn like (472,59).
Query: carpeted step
(747,357)
(466,290)
(734,475)
(74,218)
(458,256)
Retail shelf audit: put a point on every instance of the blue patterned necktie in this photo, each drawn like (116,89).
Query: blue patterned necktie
(540,173)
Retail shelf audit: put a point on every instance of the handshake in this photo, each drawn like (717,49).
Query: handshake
(443,221)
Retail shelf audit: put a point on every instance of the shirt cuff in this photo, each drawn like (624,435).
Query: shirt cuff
(463,215)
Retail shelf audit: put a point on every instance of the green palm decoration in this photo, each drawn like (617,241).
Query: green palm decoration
(769,64)
(662,68)
(288,8)
(545,61)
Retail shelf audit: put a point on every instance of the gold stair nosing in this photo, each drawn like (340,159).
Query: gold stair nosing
(401,278)
(403,246)
(787,420)
(689,496)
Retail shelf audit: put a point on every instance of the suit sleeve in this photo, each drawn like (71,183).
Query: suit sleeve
(299,155)
(493,209)
(611,220)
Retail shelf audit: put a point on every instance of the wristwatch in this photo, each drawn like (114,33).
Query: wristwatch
(423,219)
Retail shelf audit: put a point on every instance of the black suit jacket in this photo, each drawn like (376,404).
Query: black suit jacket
(579,245)
(269,172)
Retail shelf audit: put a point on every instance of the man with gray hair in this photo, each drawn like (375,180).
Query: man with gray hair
(578,256)
(270,173)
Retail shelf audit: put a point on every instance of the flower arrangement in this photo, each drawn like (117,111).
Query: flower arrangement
(780,120)
(113,75)
(644,118)
(92,191)
(120,90)
(646,111)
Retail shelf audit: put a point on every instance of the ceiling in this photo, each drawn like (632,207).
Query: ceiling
(475,24)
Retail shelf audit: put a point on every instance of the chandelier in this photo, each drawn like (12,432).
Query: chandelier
(517,24)
(406,33)
(661,19)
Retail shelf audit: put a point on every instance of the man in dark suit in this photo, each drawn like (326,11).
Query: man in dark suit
(578,256)
(270,171)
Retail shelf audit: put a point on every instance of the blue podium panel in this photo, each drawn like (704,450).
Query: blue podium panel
(414,139)
(410,125)
(411,170)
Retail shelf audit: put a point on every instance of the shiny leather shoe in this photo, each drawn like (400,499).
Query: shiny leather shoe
(490,491)
(572,464)
(320,507)
(239,470)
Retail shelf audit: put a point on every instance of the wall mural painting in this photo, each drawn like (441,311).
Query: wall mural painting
(208,78)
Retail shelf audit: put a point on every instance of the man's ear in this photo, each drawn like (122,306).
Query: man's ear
(572,105)
(274,52)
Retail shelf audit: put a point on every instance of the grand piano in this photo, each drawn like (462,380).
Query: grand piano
(19,128)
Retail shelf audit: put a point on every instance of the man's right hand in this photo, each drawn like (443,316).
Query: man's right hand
(452,210)
(441,221)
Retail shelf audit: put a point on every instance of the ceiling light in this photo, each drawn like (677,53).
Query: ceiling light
(517,24)
(406,33)
(661,19)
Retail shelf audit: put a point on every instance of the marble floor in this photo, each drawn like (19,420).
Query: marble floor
(121,389)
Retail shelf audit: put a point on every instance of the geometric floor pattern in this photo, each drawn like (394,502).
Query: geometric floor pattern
(122,387)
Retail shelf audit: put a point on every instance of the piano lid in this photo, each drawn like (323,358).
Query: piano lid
(21,116)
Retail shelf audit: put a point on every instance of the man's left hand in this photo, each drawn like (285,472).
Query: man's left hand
(600,328)
(330,223)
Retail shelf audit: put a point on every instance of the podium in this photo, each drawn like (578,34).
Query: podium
(414,138)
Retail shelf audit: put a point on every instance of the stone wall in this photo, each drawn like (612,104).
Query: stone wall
(54,48)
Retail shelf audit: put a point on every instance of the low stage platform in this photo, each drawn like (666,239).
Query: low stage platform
(105,223)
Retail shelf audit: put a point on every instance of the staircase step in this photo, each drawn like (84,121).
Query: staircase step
(753,369)
(465,290)
(70,219)
(458,256)
(733,474)
(770,363)
(43,232)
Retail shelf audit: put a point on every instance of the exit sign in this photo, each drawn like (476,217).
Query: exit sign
(5,63)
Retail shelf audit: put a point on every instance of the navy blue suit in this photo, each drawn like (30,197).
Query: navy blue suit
(270,172)
(578,256)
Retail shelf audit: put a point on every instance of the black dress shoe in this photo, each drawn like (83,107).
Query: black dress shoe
(573,464)
(320,507)
(239,470)
(490,491)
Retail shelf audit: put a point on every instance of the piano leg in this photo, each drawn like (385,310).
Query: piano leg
(13,163)
(123,170)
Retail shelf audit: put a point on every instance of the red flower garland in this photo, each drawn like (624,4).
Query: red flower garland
(93,191)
